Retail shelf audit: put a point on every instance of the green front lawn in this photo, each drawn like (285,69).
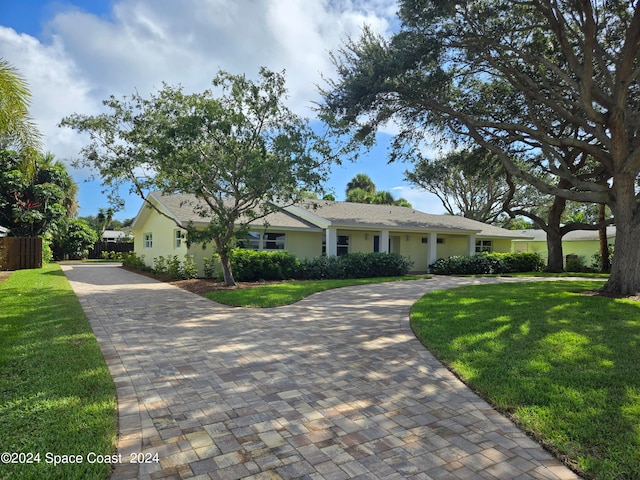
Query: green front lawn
(286,293)
(56,394)
(564,365)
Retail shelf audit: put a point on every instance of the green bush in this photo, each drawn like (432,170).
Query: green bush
(487,263)
(356,265)
(211,266)
(189,269)
(160,265)
(252,265)
(131,260)
(322,268)
(112,255)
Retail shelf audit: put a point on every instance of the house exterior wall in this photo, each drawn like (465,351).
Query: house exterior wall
(501,245)
(585,248)
(304,244)
(163,239)
(451,245)
(308,244)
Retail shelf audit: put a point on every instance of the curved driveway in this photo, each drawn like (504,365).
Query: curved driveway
(333,387)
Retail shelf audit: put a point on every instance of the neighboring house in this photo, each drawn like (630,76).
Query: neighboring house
(580,243)
(321,227)
(4,231)
(113,236)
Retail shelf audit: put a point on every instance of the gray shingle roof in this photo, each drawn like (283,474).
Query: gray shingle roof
(182,206)
(312,214)
(348,214)
(575,236)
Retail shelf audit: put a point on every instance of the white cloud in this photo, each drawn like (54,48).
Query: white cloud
(56,87)
(84,58)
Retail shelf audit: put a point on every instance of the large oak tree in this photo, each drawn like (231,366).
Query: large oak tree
(551,83)
(237,148)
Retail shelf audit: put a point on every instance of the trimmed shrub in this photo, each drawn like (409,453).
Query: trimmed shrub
(356,265)
(487,263)
(252,265)
(322,268)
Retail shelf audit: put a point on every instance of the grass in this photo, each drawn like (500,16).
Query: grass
(56,394)
(565,366)
(278,294)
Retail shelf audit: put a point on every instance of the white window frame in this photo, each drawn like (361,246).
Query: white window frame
(279,239)
(344,247)
(484,246)
(148,240)
(178,236)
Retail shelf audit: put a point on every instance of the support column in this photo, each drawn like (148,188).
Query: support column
(471,245)
(384,241)
(432,252)
(332,242)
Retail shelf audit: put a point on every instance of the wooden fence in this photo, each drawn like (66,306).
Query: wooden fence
(99,247)
(18,253)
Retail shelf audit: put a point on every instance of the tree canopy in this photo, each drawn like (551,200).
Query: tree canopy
(236,147)
(550,87)
(34,204)
(361,189)
(468,182)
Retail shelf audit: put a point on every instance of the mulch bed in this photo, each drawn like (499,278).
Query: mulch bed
(203,285)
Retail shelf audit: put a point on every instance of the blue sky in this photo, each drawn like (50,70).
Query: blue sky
(76,53)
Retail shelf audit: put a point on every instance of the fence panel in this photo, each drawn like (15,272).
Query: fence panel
(99,247)
(18,253)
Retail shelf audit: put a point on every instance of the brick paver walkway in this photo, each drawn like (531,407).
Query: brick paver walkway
(334,387)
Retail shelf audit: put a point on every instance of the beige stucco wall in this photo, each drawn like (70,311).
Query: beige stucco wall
(501,245)
(306,244)
(584,249)
(163,231)
(303,244)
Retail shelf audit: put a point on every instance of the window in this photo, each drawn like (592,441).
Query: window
(483,246)
(178,236)
(273,241)
(148,240)
(343,244)
(250,242)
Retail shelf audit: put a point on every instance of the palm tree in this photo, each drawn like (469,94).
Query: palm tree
(104,218)
(359,195)
(362,181)
(47,161)
(17,129)
(384,197)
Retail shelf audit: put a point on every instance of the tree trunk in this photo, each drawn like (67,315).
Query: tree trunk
(605,262)
(625,270)
(225,263)
(223,249)
(555,261)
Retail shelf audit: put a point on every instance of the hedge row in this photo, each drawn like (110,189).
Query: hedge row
(484,263)
(251,265)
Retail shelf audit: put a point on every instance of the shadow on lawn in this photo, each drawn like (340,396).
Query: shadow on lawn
(562,364)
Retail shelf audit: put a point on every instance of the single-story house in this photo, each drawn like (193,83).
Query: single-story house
(320,227)
(580,243)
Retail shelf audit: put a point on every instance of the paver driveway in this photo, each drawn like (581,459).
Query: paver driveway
(333,387)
